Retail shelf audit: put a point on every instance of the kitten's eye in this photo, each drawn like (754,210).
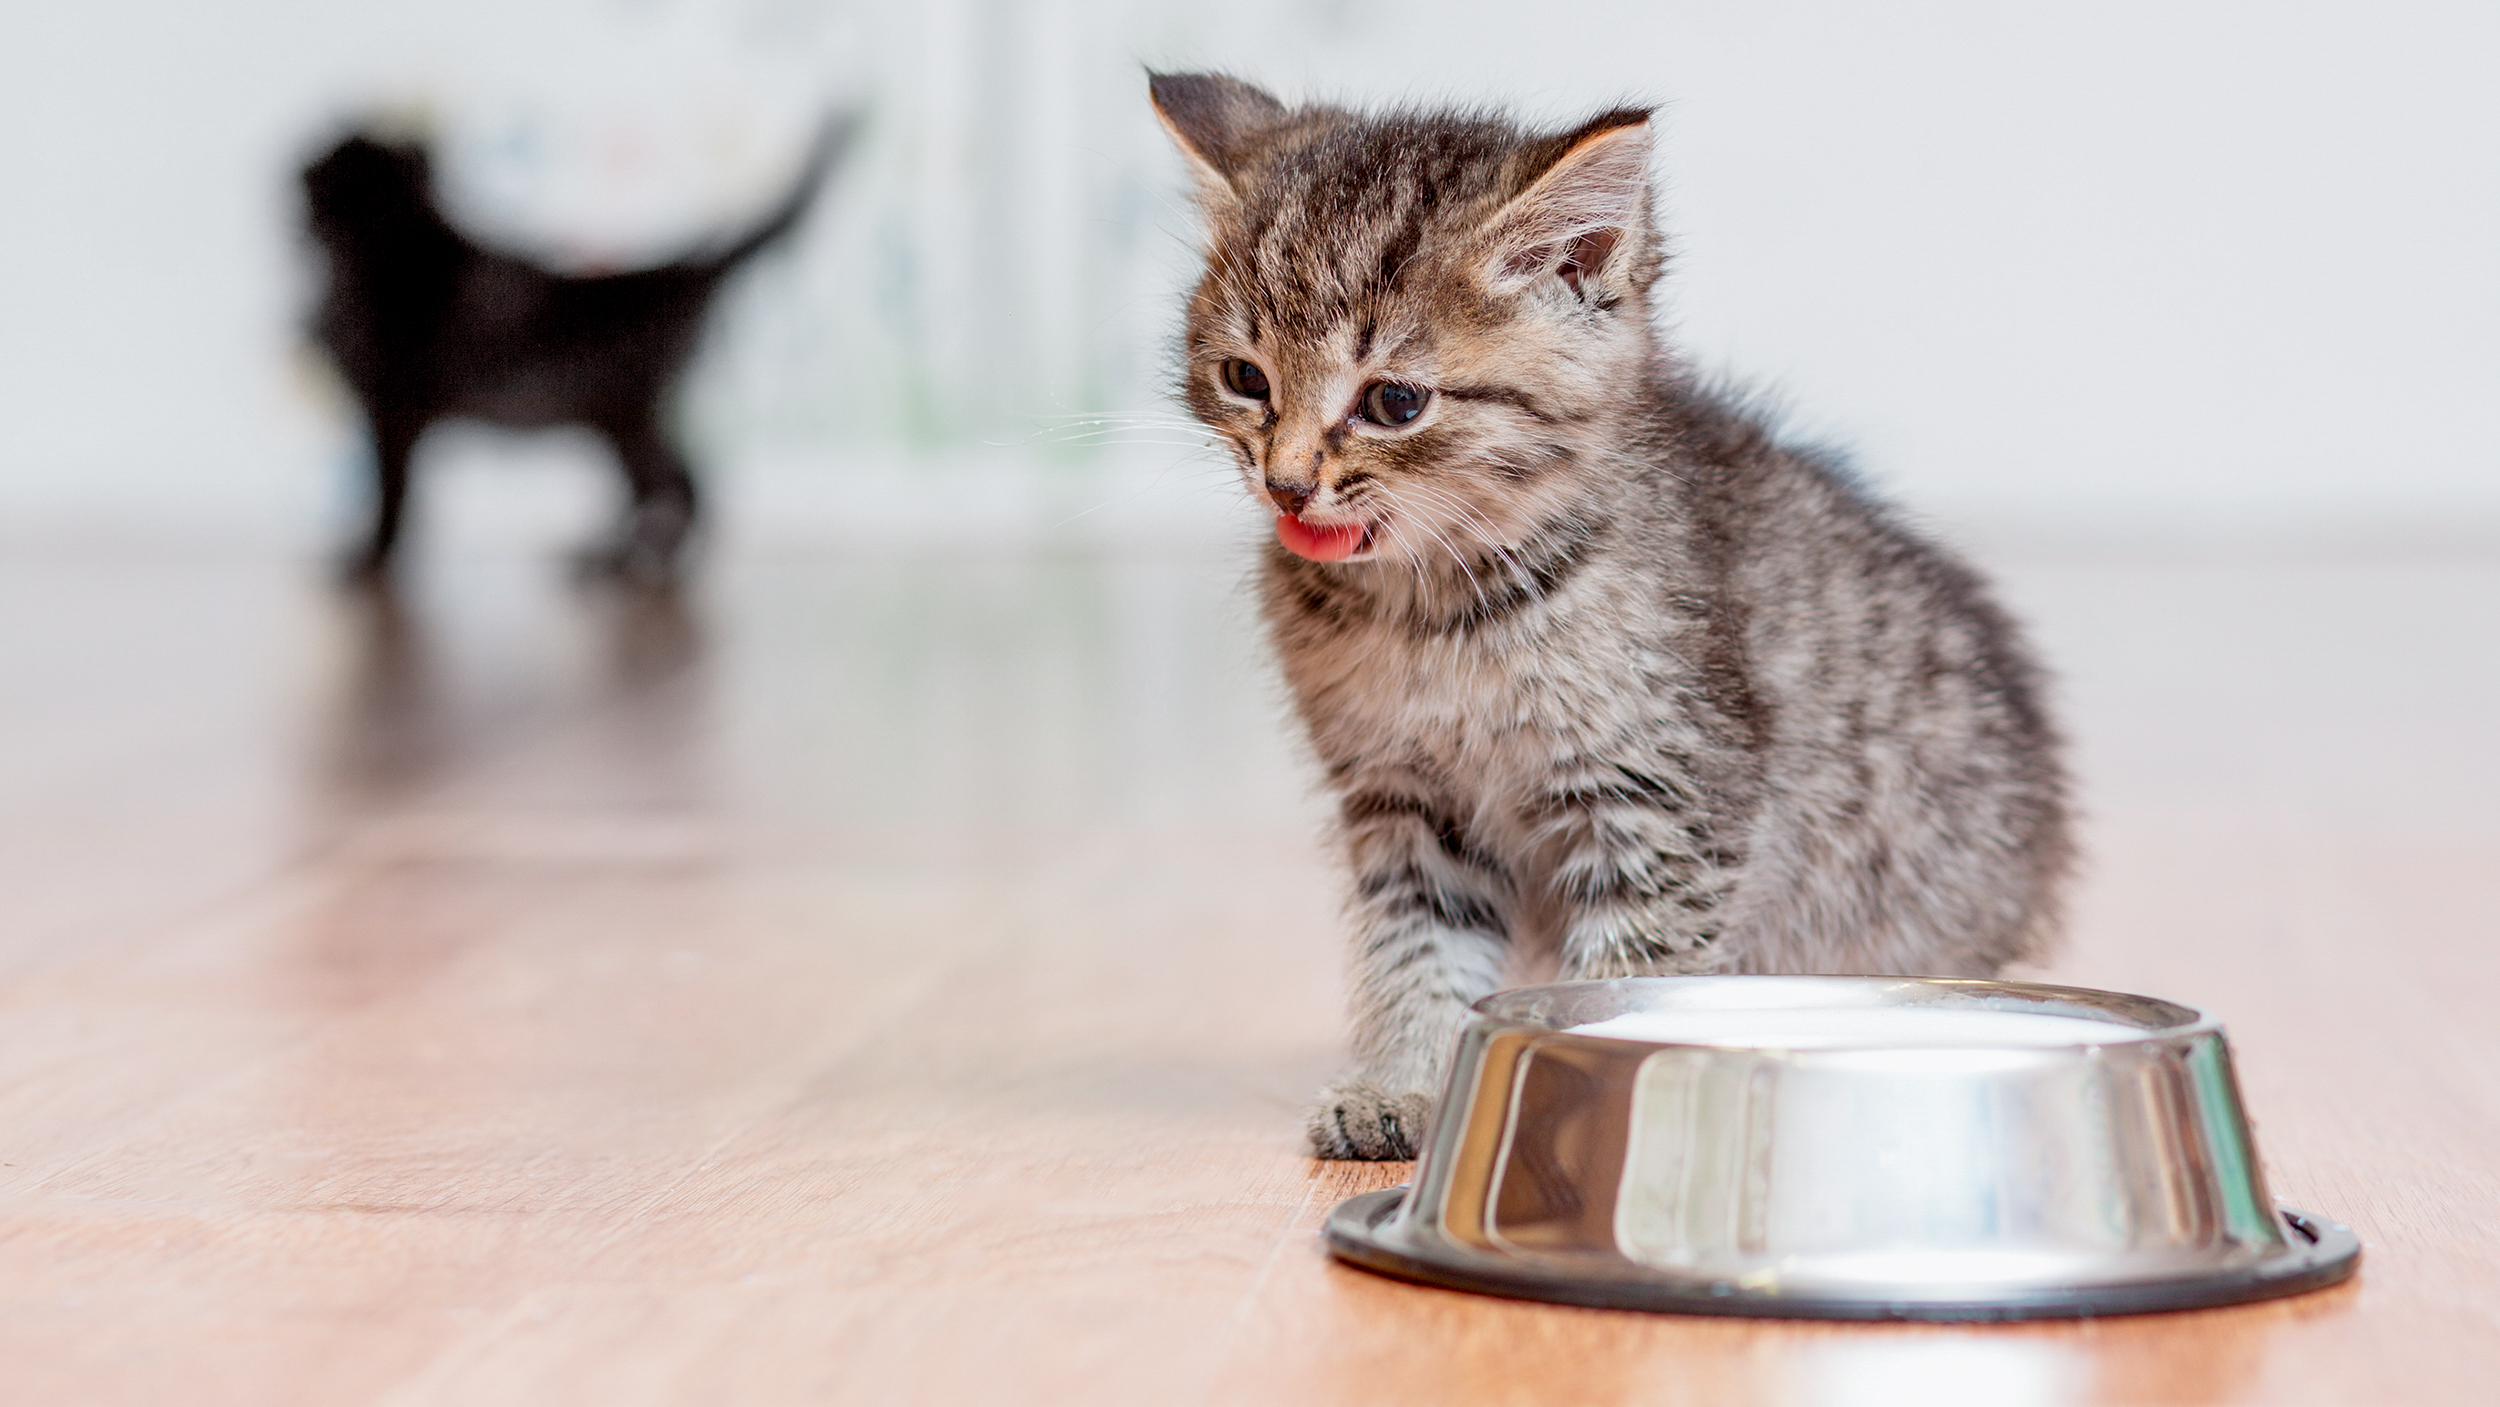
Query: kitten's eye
(1245,379)
(1388,403)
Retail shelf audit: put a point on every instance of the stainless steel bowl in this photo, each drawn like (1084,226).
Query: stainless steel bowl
(1879,1178)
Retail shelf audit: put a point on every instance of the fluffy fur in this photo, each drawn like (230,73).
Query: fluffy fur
(425,324)
(1615,682)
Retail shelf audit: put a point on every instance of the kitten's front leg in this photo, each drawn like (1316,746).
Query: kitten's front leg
(663,509)
(395,436)
(1428,941)
(1642,880)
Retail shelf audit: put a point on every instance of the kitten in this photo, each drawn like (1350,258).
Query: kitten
(1606,679)
(425,324)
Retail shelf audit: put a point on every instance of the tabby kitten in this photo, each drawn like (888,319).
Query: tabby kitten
(1607,680)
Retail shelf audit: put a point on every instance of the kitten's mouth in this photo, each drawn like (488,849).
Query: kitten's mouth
(1323,543)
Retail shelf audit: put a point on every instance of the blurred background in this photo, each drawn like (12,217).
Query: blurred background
(773,977)
(2204,269)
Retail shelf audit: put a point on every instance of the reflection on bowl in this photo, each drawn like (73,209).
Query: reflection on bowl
(1843,1147)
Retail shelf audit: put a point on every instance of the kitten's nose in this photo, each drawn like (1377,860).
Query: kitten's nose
(1290,497)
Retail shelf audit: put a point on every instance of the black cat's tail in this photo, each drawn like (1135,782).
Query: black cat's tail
(833,139)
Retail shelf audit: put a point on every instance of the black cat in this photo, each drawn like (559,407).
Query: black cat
(426,325)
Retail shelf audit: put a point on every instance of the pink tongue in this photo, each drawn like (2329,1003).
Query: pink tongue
(1318,544)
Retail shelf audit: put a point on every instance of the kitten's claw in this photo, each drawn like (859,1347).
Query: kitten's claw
(1358,1120)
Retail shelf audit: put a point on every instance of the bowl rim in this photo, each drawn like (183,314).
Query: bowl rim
(1367,1230)
(1519,1009)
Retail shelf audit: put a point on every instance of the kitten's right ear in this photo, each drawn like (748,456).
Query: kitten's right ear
(1585,212)
(1214,120)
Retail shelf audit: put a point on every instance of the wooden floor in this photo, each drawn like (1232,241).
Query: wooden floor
(893,979)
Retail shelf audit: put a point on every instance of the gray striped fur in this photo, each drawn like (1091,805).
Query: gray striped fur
(1621,683)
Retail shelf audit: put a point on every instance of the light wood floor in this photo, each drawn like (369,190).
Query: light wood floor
(893,979)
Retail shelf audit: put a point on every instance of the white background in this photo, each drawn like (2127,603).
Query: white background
(2124,262)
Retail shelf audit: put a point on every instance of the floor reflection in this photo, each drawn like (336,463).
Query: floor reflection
(2196,1359)
(652,637)
(382,734)
(940,696)
(444,694)
(1909,1368)
(492,748)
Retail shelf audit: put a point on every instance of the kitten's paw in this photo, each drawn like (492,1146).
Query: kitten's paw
(632,564)
(1360,1120)
(362,567)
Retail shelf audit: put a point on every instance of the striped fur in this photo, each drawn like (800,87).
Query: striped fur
(1618,682)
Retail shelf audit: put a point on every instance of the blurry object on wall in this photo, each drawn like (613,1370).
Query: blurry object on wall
(426,324)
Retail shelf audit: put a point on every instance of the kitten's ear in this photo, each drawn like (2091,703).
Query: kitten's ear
(1587,190)
(1213,119)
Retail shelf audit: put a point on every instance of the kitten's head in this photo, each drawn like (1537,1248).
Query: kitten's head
(1417,331)
(365,185)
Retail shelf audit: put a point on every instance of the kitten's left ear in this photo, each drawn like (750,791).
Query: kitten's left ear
(1215,120)
(1587,190)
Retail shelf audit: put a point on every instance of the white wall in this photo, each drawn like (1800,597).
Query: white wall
(2115,259)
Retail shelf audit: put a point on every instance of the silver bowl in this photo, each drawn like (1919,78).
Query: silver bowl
(1897,1152)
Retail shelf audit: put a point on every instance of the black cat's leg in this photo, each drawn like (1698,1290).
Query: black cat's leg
(394,448)
(1429,939)
(663,505)
(1640,873)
